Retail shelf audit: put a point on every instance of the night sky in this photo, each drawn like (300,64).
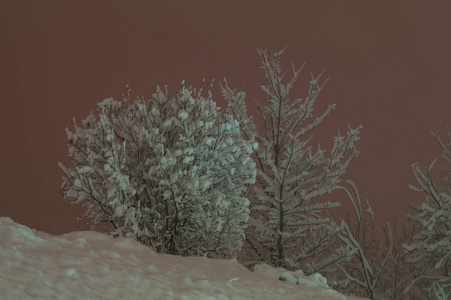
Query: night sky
(388,62)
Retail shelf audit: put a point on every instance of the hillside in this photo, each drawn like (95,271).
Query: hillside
(91,265)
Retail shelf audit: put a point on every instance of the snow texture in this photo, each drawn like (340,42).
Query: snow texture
(91,265)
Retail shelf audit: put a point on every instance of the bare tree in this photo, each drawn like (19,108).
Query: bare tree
(367,256)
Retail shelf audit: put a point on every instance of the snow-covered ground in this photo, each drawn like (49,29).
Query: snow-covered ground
(91,265)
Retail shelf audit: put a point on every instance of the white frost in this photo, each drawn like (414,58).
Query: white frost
(183,115)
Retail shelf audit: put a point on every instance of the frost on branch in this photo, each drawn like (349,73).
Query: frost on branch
(170,173)
(367,258)
(289,226)
(430,249)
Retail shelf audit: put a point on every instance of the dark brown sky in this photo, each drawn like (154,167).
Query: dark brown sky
(388,62)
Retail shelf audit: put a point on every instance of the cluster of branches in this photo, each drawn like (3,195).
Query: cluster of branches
(410,261)
(169,173)
(180,177)
(430,249)
(289,225)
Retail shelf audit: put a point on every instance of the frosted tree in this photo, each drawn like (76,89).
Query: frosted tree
(289,225)
(431,247)
(170,173)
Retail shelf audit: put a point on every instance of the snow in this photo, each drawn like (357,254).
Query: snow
(183,115)
(92,265)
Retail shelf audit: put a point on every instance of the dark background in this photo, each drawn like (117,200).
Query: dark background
(388,63)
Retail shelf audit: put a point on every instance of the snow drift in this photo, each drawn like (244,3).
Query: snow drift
(91,265)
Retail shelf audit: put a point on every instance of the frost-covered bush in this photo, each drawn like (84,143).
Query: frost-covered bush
(430,250)
(168,172)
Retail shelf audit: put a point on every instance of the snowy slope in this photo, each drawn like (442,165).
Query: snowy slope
(91,265)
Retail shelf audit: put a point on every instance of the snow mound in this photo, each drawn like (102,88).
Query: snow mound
(91,265)
(297,277)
